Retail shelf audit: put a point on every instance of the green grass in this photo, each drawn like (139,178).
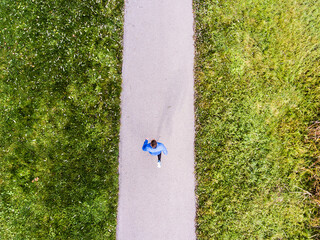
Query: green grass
(60,84)
(257,93)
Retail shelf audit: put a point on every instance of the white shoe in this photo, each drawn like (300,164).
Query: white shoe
(159,164)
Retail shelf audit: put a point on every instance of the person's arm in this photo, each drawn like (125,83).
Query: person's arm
(145,144)
(165,151)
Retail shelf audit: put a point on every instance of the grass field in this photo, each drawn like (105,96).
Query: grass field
(257,107)
(60,84)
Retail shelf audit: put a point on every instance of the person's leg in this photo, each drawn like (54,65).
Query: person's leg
(159,160)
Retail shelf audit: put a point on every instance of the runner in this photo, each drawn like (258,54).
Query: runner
(155,148)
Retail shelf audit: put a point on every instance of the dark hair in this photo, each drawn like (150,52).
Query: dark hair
(153,143)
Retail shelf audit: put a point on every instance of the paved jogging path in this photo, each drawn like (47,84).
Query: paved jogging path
(157,102)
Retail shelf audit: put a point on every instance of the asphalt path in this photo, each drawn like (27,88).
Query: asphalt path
(157,102)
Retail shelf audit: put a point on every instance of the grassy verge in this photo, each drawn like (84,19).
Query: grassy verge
(60,85)
(257,103)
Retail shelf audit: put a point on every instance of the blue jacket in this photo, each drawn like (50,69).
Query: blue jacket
(154,151)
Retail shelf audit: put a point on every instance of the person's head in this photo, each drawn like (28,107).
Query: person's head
(153,143)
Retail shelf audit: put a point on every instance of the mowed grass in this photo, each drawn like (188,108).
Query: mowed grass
(257,107)
(60,84)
